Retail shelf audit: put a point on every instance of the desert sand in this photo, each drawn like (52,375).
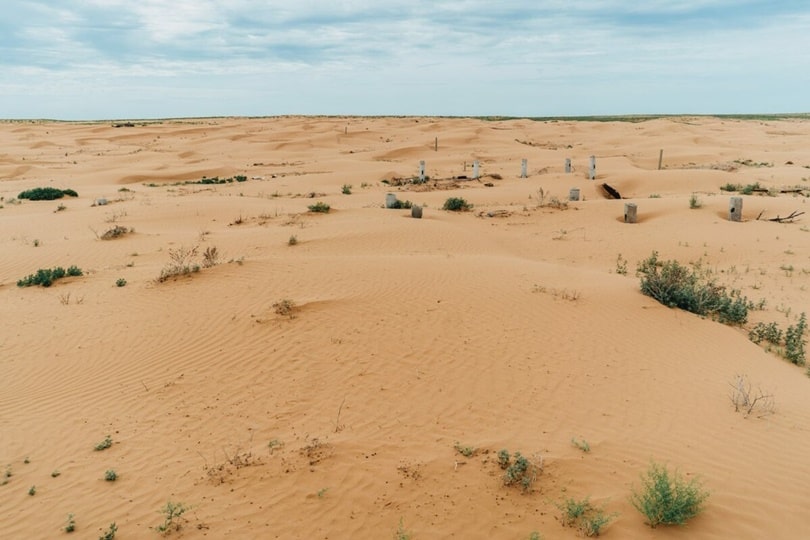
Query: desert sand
(506,327)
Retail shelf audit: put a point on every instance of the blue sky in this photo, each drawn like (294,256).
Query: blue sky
(103,59)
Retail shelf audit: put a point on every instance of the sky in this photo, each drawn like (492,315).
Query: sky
(141,59)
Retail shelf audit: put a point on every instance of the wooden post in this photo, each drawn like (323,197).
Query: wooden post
(660,158)
(422,171)
(391,200)
(524,168)
(630,212)
(346,130)
(567,165)
(436,145)
(416,212)
(476,169)
(592,172)
(735,209)
(573,194)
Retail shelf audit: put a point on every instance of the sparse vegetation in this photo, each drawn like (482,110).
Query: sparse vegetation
(518,471)
(103,445)
(172,513)
(582,445)
(115,232)
(32,491)
(693,290)
(110,475)
(319,208)
(456,204)
(464,450)
(401,533)
(293,240)
(621,265)
(210,257)
(285,308)
(795,342)
(44,277)
(182,262)
(346,189)
(397,204)
(748,401)
(668,499)
(120,282)
(588,519)
(110,533)
(46,194)
(694,202)
(70,526)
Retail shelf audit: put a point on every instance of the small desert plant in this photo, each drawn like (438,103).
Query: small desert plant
(110,475)
(181,263)
(746,400)
(285,308)
(503,458)
(120,282)
(401,533)
(210,257)
(55,473)
(456,204)
(293,240)
(346,189)
(581,514)
(675,285)
(32,490)
(795,342)
(401,205)
(621,265)
(766,332)
(466,451)
(103,445)
(60,208)
(110,533)
(70,526)
(172,513)
(666,498)
(46,194)
(319,207)
(582,445)
(44,277)
(520,471)
(694,202)
(115,232)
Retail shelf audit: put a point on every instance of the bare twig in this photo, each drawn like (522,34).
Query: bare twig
(338,427)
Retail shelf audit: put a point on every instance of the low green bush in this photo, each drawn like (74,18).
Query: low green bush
(319,207)
(46,194)
(693,290)
(668,499)
(456,204)
(44,277)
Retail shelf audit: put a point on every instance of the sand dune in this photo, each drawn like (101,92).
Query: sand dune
(508,326)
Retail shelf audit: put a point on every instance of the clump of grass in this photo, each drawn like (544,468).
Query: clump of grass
(46,194)
(44,277)
(693,290)
(456,204)
(668,499)
(172,513)
(115,232)
(210,257)
(110,475)
(182,262)
(120,282)
(581,514)
(103,445)
(285,308)
(319,208)
(582,445)
(694,202)
(346,189)
(70,526)
(518,471)
(110,532)
(464,450)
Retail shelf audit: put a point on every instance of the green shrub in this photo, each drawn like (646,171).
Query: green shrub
(794,341)
(466,451)
(503,458)
(240,178)
(401,204)
(319,207)
(766,332)
(520,472)
(346,189)
(46,194)
(120,282)
(70,526)
(675,285)
(456,204)
(731,187)
(584,516)
(103,445)
(32,491)
(171,512)
(110,475)
(110,534)
(44,277)
(667,498)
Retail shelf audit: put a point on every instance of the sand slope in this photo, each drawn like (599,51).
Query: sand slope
(409,336)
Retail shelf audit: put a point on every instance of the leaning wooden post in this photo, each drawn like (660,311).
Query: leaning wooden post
(735,209)
(568,165)
(592,171)
(476,169)
(660,158)
(524,168)
(630,212)
(422,171)
(573,194)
